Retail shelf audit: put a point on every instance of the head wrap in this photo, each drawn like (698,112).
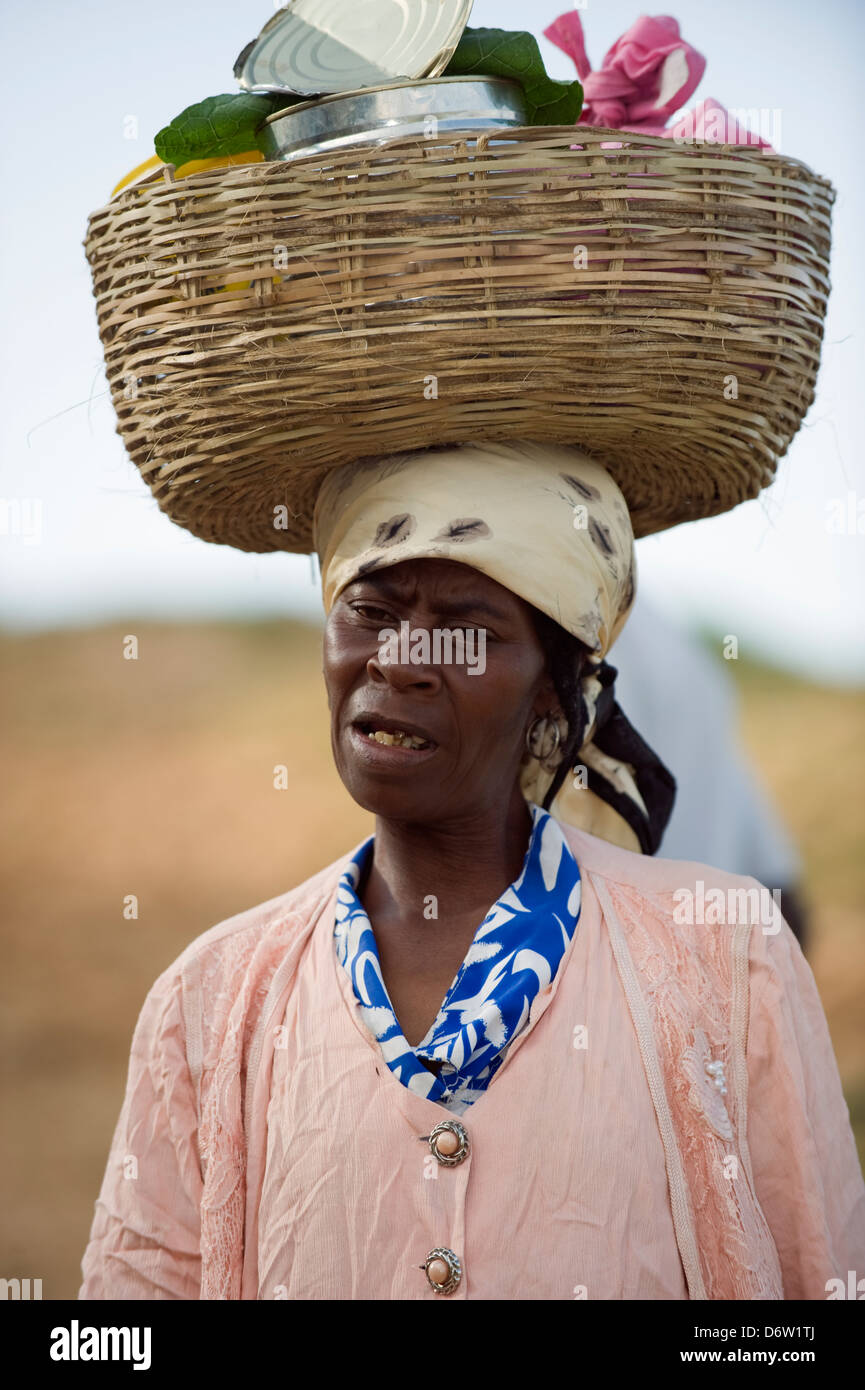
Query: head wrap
(551,525)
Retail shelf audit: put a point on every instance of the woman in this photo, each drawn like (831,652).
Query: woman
(497,1050)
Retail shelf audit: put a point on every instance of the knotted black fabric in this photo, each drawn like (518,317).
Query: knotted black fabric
(616,737)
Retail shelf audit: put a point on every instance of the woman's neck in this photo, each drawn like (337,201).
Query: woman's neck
(446,874)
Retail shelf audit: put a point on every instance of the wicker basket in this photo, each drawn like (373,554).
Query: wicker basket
(659,305)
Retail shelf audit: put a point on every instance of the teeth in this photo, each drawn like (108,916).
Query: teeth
(402,739)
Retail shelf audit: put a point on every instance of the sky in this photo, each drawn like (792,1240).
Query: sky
(83,541)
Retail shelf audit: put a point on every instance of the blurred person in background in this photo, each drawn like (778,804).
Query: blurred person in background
(685,706)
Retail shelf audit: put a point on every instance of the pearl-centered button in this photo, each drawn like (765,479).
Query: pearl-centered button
(449,1142)
(443,1270)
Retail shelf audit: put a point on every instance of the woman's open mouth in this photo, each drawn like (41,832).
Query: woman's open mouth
(390,743)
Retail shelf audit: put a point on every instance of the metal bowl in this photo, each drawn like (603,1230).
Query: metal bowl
(393,110)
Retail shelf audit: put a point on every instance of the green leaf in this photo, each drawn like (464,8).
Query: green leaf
(509,53)
(227,124)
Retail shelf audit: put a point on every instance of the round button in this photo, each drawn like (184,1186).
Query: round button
(449,1142)
(443,1270)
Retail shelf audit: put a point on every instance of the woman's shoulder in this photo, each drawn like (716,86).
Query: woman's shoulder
(650,874)
(701,906)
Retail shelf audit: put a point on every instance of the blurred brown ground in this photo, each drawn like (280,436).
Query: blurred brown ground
(155,778)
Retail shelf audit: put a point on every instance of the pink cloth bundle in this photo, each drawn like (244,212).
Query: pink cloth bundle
(647,75)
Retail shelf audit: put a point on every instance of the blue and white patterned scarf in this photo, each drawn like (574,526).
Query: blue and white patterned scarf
(515,953)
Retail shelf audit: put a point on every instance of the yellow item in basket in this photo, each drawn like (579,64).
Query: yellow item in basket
(137,173)
(192,166)
(197,166)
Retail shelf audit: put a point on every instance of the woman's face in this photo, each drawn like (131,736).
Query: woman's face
(474,712)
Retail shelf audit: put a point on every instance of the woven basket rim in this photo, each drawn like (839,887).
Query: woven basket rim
(526,135)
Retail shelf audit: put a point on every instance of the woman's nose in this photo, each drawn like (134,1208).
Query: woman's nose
(394,662)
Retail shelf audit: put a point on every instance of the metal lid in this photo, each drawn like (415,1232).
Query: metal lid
(322,46)
(427,107)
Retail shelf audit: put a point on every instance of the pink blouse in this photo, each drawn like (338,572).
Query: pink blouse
(670,1124)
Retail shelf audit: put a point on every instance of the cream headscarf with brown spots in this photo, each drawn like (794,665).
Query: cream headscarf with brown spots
(551,525)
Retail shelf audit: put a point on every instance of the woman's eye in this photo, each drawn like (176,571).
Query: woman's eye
(365,608)
(374,613)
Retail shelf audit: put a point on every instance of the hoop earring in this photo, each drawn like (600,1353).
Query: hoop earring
(542,718)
